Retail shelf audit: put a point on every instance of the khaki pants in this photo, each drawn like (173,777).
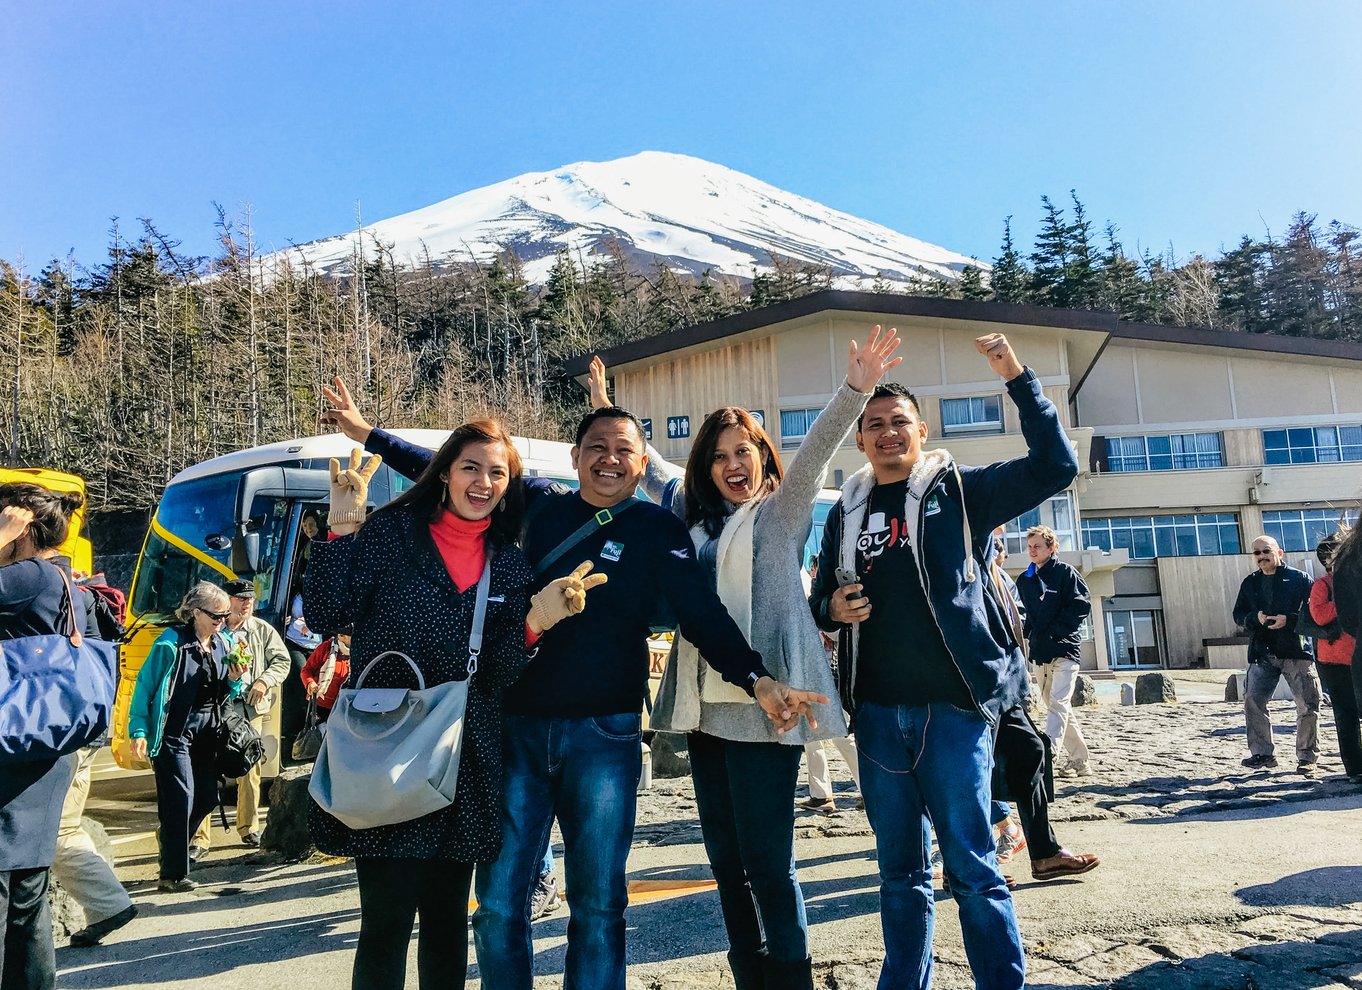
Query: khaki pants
(820,780)
(247,802)
(78,866)
(1057,688)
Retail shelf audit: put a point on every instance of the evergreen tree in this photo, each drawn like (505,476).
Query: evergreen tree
(1080,283)
(1120,288)
(1297,281)
(1241,275)
(972,285)
(1051,257)
(1010,279)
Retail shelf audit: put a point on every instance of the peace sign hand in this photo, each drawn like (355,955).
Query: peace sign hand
(563,597)
(343,415)
(867,365)
(350,491)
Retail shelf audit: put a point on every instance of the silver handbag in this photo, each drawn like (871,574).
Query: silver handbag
(391,755)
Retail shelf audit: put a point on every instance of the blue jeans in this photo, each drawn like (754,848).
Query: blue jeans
(584,771)
(935,763)
(744,793)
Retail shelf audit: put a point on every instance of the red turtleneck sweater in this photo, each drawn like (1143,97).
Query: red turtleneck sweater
(461,547)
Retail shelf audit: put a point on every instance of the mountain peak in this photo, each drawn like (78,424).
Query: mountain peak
(687,213)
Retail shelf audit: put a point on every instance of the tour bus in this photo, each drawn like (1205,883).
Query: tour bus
(241,516)
(76,548)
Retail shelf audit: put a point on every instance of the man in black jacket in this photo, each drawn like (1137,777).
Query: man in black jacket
(1057,602)
(1268,605)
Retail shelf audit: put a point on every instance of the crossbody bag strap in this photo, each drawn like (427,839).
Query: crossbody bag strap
(602,518)
(74,633)
(480,612)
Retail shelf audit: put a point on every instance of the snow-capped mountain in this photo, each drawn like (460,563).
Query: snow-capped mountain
(689,213)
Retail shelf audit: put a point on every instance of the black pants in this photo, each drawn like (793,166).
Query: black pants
(1338,681)
(27,959)
(292,701)
(1019,755)
(186,792)
(391,894)
(744,793)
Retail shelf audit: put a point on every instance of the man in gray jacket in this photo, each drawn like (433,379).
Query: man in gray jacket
(269,667)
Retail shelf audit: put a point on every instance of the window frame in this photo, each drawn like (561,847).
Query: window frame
(974,426)
(1167,535)
(1134,452)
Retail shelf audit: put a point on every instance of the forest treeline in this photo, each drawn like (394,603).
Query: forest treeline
(130,369)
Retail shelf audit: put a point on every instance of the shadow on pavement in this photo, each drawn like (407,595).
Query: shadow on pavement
(1328,886)
(1325,962)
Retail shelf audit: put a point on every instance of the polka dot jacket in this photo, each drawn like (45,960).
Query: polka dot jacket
(390,582)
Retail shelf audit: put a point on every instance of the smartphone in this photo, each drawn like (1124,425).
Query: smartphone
(846,577)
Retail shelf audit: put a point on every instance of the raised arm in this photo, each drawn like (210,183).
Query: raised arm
(406,459)
(793,501)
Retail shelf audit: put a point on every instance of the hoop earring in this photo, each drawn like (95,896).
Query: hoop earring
(501,506)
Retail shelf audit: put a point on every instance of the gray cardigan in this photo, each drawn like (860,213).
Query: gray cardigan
(783,630)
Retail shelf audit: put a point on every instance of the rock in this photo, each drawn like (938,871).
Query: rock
(286,830)
(1085,691)
(1127,694)
(67,915)
(1234,687)
(1154,689)
(670,757)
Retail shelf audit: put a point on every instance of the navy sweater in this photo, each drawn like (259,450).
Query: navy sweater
(1056,602)
(596,663)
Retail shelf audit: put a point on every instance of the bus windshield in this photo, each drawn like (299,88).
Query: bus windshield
(189,512)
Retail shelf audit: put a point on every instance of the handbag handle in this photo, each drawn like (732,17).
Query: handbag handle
(480,613)
(420,680)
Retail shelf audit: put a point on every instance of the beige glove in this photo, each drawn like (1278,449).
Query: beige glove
(350,491)
(563,597)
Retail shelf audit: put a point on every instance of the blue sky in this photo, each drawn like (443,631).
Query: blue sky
(1184,122)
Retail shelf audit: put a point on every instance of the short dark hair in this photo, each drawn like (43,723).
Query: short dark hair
(52,511)
(886,390)
(1328,546)
(609,412)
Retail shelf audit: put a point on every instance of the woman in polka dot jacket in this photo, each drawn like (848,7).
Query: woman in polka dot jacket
(408,582)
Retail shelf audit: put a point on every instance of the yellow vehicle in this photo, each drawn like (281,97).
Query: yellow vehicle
(76,548)
(241,516)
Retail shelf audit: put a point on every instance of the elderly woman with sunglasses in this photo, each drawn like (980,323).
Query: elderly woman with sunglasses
(171,720)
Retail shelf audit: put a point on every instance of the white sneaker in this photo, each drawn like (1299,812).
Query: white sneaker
(1081,769)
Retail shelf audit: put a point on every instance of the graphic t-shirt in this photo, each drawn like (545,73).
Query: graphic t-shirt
(902,659)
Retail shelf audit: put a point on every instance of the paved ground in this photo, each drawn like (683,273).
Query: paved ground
(1212,878)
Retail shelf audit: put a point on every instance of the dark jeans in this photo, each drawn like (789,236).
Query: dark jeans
(392,892)
(1020,755)
(186,793)
(934,763)
(584,771)
(1338,680)
(744,793)
(292,702)
(27,959)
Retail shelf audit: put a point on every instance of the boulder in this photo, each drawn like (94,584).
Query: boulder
(286,829)
(1085,691)
(1127,693)
(67,914)
(1234,687)
(1154,689)
(670,757)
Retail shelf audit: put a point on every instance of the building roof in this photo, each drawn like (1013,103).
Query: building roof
(1107,325)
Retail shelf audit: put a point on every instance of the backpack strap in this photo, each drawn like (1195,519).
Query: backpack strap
(602,518)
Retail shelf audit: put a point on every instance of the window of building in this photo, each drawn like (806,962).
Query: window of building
(976,414)
(1056,512)
(1133,638)
(1165,452)
(1302,529)
(794,425)
(1313,445)
(1147,537)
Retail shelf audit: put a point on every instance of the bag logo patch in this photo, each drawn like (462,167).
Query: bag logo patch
(612,550)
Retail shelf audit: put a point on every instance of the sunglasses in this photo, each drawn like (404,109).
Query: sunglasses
(1263,553)
(215,616)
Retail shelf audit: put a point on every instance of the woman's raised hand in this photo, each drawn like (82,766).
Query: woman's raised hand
(600,394)
(14,520)
(867,365)
(350,491)
(563,597)
(343,415)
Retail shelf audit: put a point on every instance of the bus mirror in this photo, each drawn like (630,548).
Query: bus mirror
(216,541)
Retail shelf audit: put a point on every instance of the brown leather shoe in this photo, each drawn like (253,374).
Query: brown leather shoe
(1063,864)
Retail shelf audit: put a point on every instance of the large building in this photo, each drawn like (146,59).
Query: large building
(1193,441)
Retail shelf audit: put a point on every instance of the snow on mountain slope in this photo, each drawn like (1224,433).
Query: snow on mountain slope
(688,213)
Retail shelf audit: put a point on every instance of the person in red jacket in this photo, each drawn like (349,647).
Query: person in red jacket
(324,684)
(1335,659)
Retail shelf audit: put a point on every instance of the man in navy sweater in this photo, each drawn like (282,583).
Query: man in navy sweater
(573,728)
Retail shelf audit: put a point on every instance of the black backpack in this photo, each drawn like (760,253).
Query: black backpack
(239,747)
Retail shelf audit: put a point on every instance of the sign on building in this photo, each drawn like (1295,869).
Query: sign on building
(760,416)
(678,427)
(648,430)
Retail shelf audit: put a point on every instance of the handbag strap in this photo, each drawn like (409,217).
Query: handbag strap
(74,634)
(420,680)
(480,612)
(602,518)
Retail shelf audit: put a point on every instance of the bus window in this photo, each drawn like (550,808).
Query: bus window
(190,512)
(272,514)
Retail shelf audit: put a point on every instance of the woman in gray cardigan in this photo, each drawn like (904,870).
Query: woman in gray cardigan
(748,521)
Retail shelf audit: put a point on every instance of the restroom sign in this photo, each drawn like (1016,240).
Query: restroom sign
(678,427)
(648,430)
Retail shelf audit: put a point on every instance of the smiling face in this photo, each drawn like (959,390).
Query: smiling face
(1039,550)
(477,480)
(736,467)
(891,435)
(609,461)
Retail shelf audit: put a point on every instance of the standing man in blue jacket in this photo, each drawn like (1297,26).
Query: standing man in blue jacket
(1268,606)
(1057,603)
(929,661)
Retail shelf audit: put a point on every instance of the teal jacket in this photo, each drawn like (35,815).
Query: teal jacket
(151,694)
